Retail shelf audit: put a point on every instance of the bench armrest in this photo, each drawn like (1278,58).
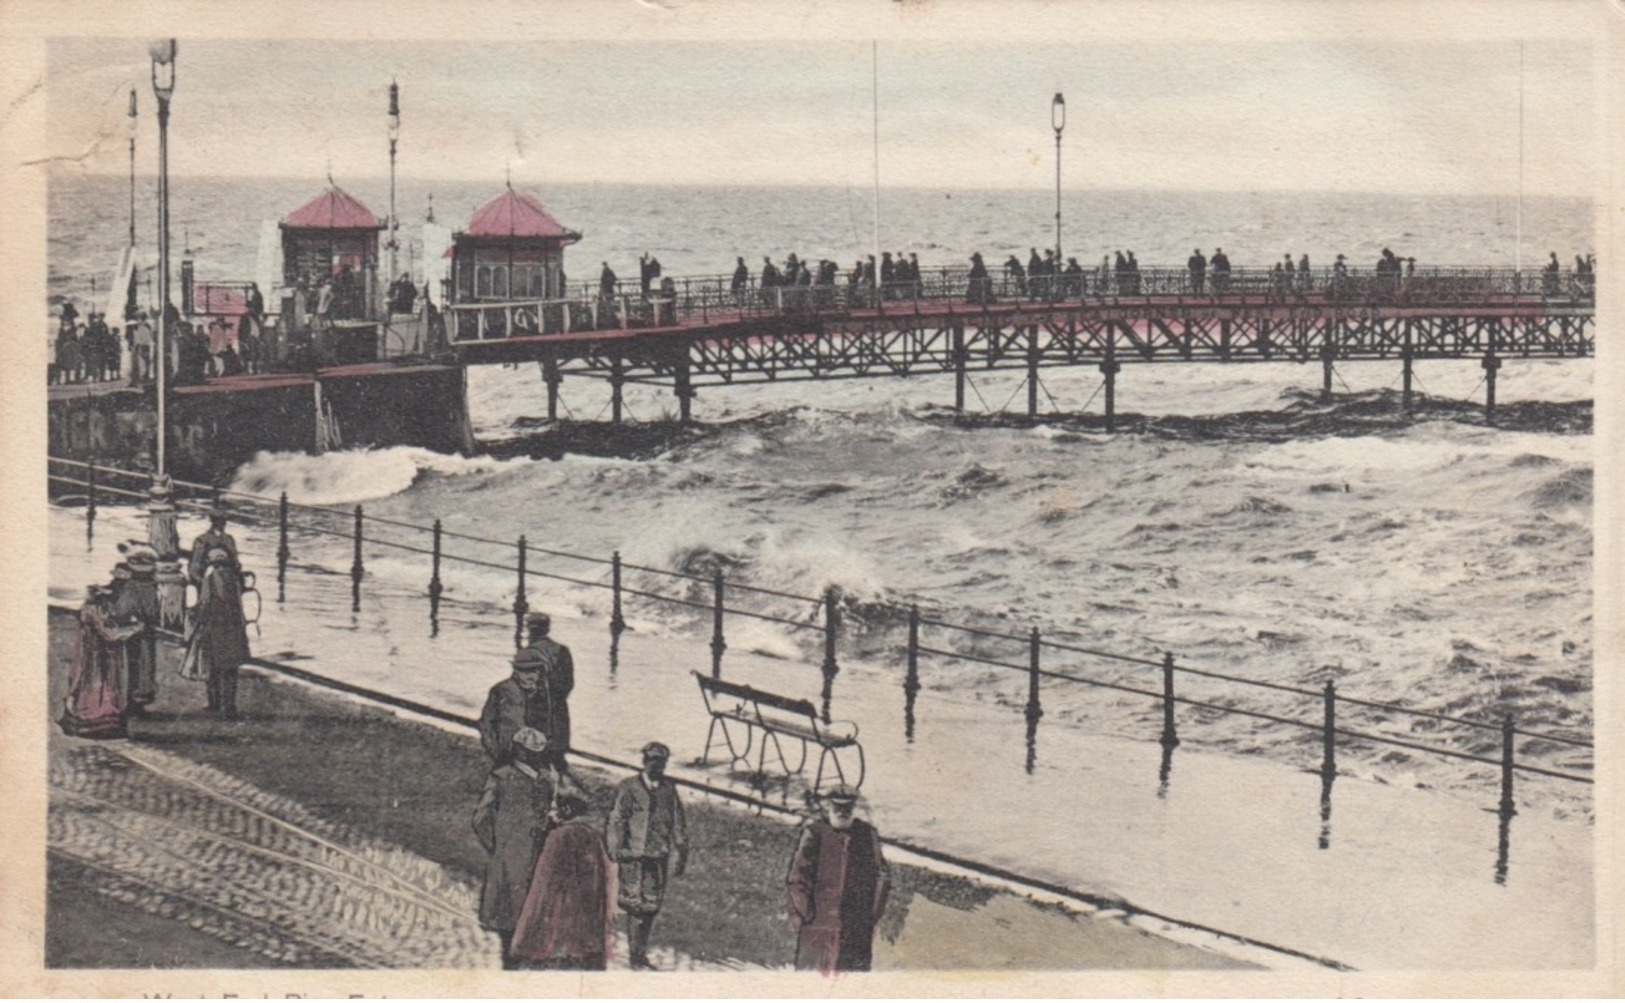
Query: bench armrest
(836,732)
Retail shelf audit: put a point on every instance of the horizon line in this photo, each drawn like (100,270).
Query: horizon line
(58,171)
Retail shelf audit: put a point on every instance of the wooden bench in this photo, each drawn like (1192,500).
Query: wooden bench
(735,704)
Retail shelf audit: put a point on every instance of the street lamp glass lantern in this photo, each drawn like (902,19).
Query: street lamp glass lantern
(1057,113)
(132,115)
(394,112)
(163,67)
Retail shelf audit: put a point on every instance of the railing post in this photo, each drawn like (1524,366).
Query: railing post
(616,622)
(90,503)
(911,680)
(718,645)
(282,552)
(356,567)
(1328,758)
(1034,710)
(1508,808)
(520,606)
(434,576)
(1170,737)
(831,626)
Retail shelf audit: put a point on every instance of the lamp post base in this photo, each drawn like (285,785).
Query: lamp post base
(164,539)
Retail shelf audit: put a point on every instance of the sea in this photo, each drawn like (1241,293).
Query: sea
(1233,518)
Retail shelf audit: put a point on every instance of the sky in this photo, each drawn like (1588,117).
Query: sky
(1323,106)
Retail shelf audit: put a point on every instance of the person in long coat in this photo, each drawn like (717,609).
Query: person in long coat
(98,681)
(550,702)
(566,919)
(219,641)
(137,604)
(838,885)
(511,821)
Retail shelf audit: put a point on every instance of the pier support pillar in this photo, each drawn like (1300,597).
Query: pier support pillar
(616,380)
(1109,370)
(1407,362)
(552,377)
(685,393)
(959,372)
(1326,373)
(1491,364)
(1032,372)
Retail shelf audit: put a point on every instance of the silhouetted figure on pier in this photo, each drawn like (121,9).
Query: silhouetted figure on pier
(140,338)
(1120,273)
(1551,276)
(1015,277)
(1305,284)
(648,272)
(1035,274)
(1196,265)
(248,344)
(914,274)
(741,281)
(1220,267)
(1133,274)
(981,286)
(1074,286)
(769,281)
(70,316)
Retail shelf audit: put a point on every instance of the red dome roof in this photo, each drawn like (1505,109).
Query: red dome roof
(513,214)
(334,209)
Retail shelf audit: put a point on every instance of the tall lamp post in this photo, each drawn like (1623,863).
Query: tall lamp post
(1057,121)
(132,120)
(161,531)
(394,137)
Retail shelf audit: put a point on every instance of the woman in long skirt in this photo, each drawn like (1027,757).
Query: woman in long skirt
(565,922)
(98,682)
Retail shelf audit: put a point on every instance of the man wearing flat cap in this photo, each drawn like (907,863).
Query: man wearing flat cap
(838,885)
(511,822)
(550,702)
(508,707)
(646,831)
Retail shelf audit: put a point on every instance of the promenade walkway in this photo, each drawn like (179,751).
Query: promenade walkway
(1407,878)
(319,832)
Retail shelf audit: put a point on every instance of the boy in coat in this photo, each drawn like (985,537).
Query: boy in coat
(646,830)
(511,821)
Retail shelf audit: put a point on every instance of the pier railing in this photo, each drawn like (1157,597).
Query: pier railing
(1177,695)
(712,299)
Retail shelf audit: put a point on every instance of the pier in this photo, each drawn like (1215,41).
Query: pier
(700,332)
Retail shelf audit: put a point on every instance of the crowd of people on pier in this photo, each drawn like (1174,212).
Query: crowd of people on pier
(198,348)
(556,875)
(115,675)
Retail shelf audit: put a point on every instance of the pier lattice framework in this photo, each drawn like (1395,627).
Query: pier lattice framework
(945,337)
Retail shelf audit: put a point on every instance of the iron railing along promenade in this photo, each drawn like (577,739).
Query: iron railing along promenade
(1043,660)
